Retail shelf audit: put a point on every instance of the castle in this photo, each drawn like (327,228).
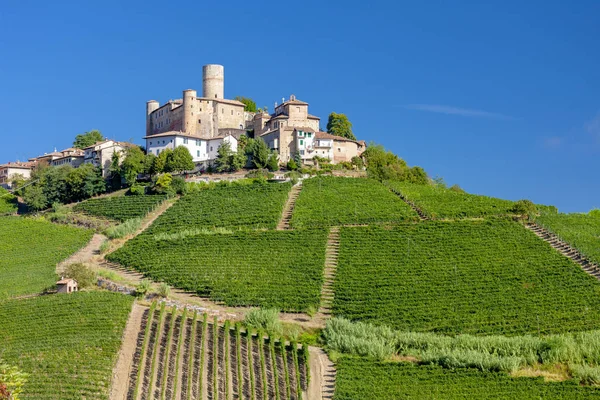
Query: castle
(202,124)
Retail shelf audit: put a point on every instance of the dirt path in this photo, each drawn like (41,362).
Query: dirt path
(322,375)
(288,209)
(121,371)
(85,255)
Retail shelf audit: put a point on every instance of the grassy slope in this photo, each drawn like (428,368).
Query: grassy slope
(120,208)
(444,203)
(30,250)
(67,343)
(8,202)
(281,269)
(244,206)
(462,277)
(326,201)
(359,379)
(580,230)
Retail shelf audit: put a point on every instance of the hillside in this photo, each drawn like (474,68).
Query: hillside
(462,298)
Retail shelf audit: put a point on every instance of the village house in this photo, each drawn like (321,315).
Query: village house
(101,153)
(11,170)
(70,156)
(66,285)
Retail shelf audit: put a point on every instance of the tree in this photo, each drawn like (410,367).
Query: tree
(180,160)
(224,157)
(249,104)
(84,182)
(242,143)
(594,213)
(35,198)
(258,151)
(114,170)
(339,125)
(160,163)
(291,165)
(273,163)
(149,164)
(384,165)
(133,164)
(87,139)
(524,208)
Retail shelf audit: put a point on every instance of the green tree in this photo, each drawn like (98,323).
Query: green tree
(242,143)
(133,164)
(149,164)
(87,139)
(249,104)
(384,165)
(273,163)
(339,125)
(291,165)
(258,151)
(180,160)
(35,198)
(83,183)
(224,157)
(160,163)
(162,184)
(114,170)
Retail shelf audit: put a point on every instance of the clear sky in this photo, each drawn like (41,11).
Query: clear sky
(503,99)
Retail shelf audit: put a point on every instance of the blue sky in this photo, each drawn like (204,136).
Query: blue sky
(503,99)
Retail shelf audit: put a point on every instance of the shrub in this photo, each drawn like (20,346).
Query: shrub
(291,165)
(595,213)
(164,290)
(264,319)
(143,288)
(524,207)
(586,374)
(136,190)
(84,275)
(11,381)
(178,185)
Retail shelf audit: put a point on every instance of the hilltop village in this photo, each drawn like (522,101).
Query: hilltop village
(202,124)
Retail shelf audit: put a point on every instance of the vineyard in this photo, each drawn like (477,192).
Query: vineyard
(477,277)
(29,252)
(241,206)
(66,343)
(368,379)
(183,356)
(327,201)
(282,269)
(580,230)
(438,202)
(8,202)
(120,208)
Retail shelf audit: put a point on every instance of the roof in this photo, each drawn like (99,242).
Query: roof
(21,165)
(295,102)
(177,133)
(281,116)
(313,117)
(122,144)
(65,281)
(98,144)
(325,135)
(299,128)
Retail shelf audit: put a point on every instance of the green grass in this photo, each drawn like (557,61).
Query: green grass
(438,202)
(282,269)
(8,202)
(120,208)
(247,206)
(580,230)
(476,277)
(359,379)
(326,201)
(29,252)
(68,344)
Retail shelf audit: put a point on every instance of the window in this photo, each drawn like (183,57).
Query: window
(185,141)
(150,143)
(163,142)
(198,143)
(309,134)
(339,150)
(157,151)
(199,121)
(210,148)
(231,112)
(301,142)
(297,109)
(198,153)
(222,111)
(301,152)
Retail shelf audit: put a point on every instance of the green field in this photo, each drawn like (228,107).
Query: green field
(30,250)
(359,379)
(282,269)
(438,202)
(477,277)
(67,343)
(120,208)
(247,206)
(580,230)
(8,202)
(327,201)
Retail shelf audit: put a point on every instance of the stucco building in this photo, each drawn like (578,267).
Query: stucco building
(101,153)
(10,170)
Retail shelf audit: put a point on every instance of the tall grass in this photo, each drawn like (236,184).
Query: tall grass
(127,228)
(487,353)
(264,319)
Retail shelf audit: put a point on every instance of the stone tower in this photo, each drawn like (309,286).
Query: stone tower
(151,106)
(213,81)
(189,110)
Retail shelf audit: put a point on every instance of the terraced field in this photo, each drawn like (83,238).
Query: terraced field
(477,277)
(243,206)
(67,344)
(582,231)
(120,208)
(438,202)
(368,379)
(29,252)
(282,269)
(328,201)
(183,356)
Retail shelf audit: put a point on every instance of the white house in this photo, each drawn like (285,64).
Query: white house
(10,169)
(100,154)
(203,150)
